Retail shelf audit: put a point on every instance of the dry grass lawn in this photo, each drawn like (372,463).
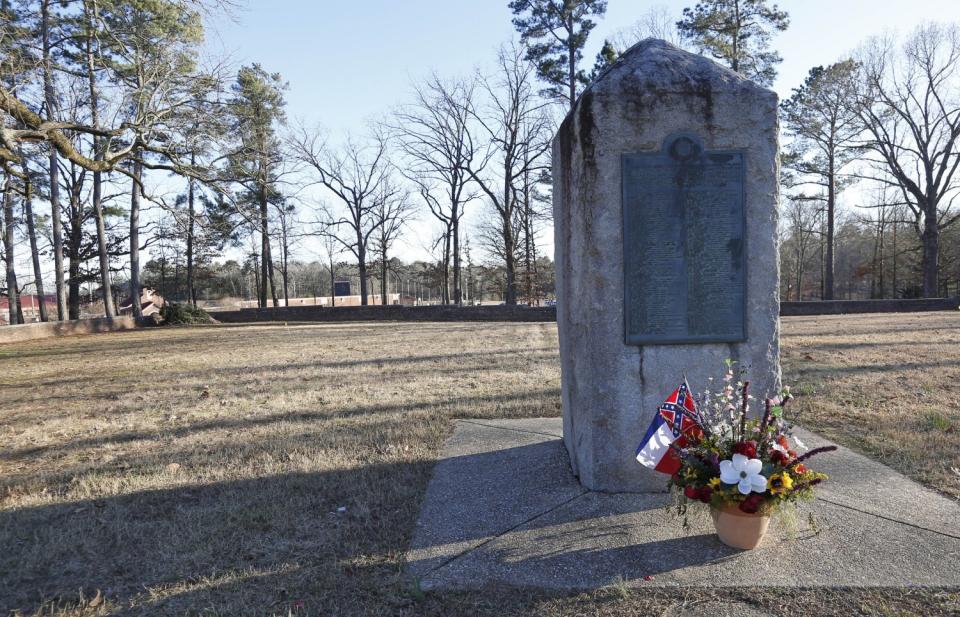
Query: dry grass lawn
(273,470)
(886,385)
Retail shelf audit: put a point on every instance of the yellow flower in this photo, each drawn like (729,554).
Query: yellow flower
(780,483)
(690,473)
(714,482)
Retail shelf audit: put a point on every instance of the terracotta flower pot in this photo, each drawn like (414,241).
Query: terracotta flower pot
(738,529)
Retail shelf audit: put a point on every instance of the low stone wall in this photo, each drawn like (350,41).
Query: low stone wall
(840,307)
(390,313)
(546,313)
(30,331)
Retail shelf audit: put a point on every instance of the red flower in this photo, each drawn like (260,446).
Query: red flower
(782,440)
(746,448)
(801,468)
(705,494)
(751,504)
(691,492)
(779,457)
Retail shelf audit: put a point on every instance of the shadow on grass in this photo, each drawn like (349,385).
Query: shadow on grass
(239,424)
(244,545)
(278,369)
(333,542)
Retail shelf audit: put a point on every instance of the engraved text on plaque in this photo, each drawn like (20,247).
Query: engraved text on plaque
(683,245)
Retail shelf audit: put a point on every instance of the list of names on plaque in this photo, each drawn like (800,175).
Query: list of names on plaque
(684,270)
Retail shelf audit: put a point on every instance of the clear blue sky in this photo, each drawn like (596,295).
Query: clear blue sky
(350,62)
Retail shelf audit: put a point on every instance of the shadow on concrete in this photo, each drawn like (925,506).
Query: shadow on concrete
(518,517)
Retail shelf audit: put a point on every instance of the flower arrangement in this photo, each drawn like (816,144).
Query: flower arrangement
(732,460)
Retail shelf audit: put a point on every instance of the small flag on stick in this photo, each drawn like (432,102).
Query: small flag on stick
(676,422)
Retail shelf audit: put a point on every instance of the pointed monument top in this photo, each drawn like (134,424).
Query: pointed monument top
(654,64)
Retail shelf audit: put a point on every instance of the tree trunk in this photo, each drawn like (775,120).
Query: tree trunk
(54,170)
(362,267)
(106,291)
(383,277)
(527,240)
(8,241)
(893,273)
(333,282)
(264,251)
(931,251)
(510,293)
(34,251)
(76,236)
(285,271)
(828,269)
(191,230)
(135,191)
(571,62)
(257,276)
(270,269)
(445,288)
(457,283)
(108,308)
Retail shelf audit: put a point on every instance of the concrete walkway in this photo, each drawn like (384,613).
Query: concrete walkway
(503,507)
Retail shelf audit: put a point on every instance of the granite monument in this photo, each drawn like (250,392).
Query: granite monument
(665,212)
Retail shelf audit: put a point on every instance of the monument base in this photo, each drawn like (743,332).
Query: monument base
(504,508)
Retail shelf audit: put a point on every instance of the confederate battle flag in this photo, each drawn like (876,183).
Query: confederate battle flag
(676,420)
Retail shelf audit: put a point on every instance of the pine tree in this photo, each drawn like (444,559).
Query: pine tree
(738,33)
(821,120)
(605,59)
(257,108)
(555,33)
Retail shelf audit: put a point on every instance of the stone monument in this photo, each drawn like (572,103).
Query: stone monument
(665,212)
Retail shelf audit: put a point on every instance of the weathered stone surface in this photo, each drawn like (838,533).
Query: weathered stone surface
(504,508)
(610,389)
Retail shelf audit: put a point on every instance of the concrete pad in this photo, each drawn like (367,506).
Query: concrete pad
(503,507)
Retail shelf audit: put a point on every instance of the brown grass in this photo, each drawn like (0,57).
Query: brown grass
(263,470)
(887,385)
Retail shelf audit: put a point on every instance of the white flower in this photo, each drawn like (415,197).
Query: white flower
(745,473)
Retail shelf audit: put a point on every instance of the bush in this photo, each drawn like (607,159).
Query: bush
(174,313)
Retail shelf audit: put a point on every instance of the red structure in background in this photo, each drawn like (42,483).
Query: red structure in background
(30,305)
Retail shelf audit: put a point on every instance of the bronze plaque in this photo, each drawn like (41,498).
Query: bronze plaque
(683,245)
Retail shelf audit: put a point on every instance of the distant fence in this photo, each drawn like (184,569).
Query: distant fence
(390,313)
(30,331)
(840,307)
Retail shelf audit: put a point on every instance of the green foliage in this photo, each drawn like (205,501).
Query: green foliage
(605,59)
(936,421)
(184,314)
(555,33)
(821,119)
(257,110)
(738,33)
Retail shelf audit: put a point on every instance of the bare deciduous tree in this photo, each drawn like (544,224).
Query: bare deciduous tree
(910,110)
(517,127)
(392,211)
(435,136)
(357,176)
